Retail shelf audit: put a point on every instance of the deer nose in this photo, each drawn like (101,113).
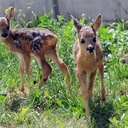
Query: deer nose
(90,48)
(4,35)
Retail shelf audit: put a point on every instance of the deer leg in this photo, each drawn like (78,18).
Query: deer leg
(21,71)
(52,54)
(25,61)
(91,82)
(101,70)
(85,93)
(46,71)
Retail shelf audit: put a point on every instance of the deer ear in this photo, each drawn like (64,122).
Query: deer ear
(10,14)
(97,22)
(77,25)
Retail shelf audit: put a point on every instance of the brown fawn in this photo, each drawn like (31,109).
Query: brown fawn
(88,56)
(26,41)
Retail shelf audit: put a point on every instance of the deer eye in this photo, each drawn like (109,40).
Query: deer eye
(94,39)
(7,28)
(82,41)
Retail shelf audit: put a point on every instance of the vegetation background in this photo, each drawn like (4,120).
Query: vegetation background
(55,106)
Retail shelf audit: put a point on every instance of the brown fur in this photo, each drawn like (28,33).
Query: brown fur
(125,58)
(88,57)
(36,41)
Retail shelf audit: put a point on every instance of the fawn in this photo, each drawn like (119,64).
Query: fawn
(39,42)
(88,57)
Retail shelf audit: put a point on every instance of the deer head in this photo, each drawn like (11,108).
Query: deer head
(87,34)
(5,24)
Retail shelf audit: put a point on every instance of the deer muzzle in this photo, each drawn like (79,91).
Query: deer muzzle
(4,33)
(90,48)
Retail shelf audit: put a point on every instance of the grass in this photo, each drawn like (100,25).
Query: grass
(55,106)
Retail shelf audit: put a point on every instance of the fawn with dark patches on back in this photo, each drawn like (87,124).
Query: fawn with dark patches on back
(88,56)
(36,41)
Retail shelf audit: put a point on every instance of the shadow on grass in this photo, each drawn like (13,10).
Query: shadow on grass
(14,100)
(101,112)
